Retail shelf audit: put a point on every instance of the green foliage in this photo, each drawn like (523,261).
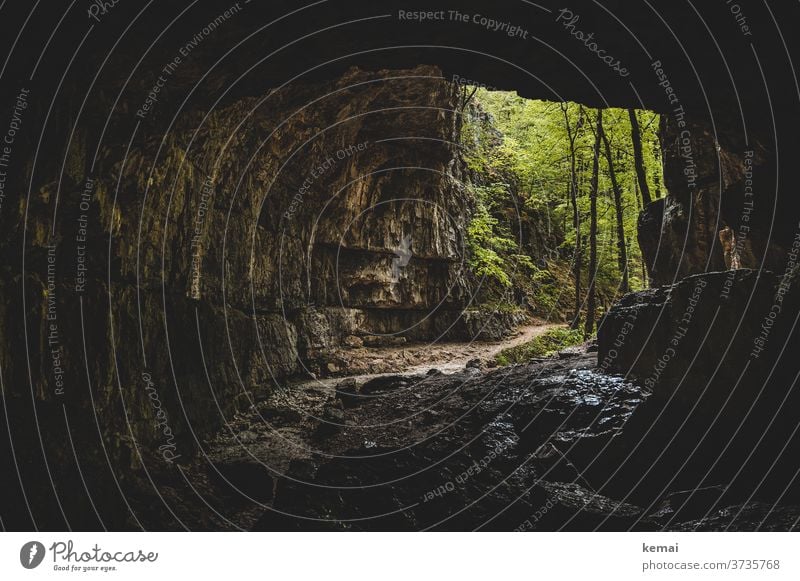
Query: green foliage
(518,153)
(546,292)
(488,243)
(544,345)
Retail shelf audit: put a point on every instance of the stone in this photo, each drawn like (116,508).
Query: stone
(688,505)
(381,341)
(353,342)
(711,350)
(754,516)
(347,392)
(332,422)
(661,335)
(534,486)
(385,383)
(688,231)
(474,364)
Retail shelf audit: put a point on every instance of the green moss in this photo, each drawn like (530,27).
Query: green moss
(549,343)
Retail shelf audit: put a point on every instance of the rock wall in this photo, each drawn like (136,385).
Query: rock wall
(722,195)
(697,339)
(717,353)
(192,268)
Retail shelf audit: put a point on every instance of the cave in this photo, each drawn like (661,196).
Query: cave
(199,234)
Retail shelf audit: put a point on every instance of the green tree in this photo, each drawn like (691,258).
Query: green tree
(591,299)
(534,161)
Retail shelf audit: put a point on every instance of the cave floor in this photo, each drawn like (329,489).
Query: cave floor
(445,446)
(294,421)
(348,428)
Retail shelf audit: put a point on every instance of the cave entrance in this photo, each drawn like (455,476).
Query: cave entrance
(482,228)
(558,188)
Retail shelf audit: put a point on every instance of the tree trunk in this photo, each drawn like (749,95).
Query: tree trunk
(638,158)
(645,279)
(576,216)
(591,300)
(622,249)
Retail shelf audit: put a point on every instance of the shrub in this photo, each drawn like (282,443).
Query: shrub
(544,345)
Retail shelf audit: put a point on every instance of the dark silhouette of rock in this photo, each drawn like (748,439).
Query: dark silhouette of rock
(245,475)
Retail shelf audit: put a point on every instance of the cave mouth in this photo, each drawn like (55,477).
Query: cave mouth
(282,268)
(444,274)
(454,254)
(458,239)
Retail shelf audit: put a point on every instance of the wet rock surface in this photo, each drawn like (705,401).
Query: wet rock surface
(469,450)
(551,445)
(755,516)
(515,448)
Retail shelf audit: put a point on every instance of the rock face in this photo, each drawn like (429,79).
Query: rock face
(716,351)
(229,253)
(722,200)
(694,340)
(245,246)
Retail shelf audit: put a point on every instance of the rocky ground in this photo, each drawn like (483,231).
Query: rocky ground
(514,448)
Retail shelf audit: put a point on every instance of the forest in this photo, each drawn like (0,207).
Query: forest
(558,188)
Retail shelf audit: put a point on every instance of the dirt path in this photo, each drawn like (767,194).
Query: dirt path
(447,357)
